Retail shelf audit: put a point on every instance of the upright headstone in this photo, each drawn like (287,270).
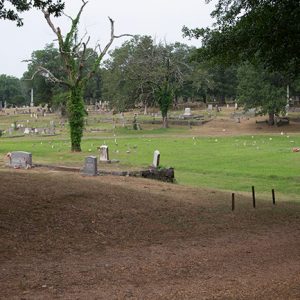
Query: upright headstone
(209,107)
(104,156)
(21,159)
(27,130)
(90,166)
(156,158)
(187,112)
(52,127)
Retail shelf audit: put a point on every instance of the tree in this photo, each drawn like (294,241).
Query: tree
(262,31)
(45,91)
(258,88)
(11,9)
(11,90)
(74,55)
(128,73)
(141,71)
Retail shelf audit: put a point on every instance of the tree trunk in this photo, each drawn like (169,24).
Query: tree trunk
(76,117)
(271,118)
(165,122)
(145,109)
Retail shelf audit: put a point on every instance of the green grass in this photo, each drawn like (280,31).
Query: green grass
(229,163)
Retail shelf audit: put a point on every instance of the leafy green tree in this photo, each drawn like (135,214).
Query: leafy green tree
(11,9)
(262,31)
(224,82)
(44,89)
(128,73)
(11,90)
(141,71)
(258,88)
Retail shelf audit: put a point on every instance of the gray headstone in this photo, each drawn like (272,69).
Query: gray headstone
(187,112)
(210,107)
(104,156)
(21,159)
(90,166)
(156,158)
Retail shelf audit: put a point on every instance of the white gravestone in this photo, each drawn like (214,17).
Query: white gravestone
(104,156)
(187,112)
(27,130)
(210,107)
(90,166)
(156,158)
(21,159)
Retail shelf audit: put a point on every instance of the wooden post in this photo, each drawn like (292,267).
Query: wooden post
(233,202)
(253,197)
(273,196)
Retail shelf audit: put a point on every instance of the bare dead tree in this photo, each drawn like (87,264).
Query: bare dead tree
(74,56)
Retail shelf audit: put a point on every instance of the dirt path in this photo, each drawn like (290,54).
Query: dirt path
(63,236)
(228,127)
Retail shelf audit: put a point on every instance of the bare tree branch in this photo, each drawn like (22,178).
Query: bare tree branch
(106,48)
(48,75)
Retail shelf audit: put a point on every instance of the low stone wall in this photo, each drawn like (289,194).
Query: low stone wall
(162,174)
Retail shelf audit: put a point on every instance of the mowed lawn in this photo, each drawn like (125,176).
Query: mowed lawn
(230,163)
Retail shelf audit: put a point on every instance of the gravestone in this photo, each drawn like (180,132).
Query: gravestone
(90,166)
(209,107)
(104,156)
(27,130)
(187,112)
(21,159)
(156,158)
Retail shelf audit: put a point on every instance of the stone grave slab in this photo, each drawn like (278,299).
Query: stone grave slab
(21,159)
(90,166)
(156,159)
(187,112)
(104,154)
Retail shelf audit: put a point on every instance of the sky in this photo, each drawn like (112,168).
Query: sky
(162,19)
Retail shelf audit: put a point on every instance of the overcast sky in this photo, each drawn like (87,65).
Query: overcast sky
(162,19)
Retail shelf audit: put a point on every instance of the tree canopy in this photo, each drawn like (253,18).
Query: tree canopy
(11,90)
(263,31)
(11,9)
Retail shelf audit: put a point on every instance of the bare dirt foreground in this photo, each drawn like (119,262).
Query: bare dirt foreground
(63,236)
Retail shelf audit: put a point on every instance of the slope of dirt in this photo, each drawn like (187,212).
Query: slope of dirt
(63,236)
(224,126)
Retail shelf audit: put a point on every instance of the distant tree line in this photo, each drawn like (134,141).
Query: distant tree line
(144,73)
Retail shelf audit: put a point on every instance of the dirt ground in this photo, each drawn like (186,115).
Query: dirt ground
(64,236)
(228,127)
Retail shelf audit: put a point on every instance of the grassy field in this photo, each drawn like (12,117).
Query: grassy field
(231,163)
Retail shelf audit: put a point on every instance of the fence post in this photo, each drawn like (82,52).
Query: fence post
(253,197)
(273,196)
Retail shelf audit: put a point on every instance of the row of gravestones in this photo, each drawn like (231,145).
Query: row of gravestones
(90,164)
(22,159)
